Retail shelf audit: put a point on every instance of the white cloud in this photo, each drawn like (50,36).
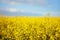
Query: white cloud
(11,9)
(21,10)
(28,1)
(41,1)
(13,2)
(15,10)
(4,1)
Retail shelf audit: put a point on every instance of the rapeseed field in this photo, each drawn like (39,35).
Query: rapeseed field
(29,28)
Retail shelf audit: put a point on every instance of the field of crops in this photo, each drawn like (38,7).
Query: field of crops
(29,28)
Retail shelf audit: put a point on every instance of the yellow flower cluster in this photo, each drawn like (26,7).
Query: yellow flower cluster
(29,28)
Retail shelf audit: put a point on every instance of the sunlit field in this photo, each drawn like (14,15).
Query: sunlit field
(29,28)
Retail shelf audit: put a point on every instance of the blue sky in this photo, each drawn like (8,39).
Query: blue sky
(30,7)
